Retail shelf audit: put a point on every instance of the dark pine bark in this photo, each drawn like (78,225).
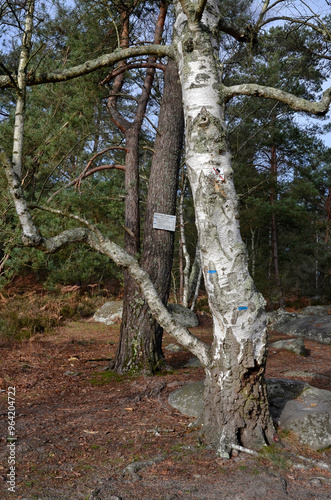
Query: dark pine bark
(279,297)
(141,336)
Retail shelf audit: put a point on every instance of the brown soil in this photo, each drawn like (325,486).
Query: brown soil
(79,427)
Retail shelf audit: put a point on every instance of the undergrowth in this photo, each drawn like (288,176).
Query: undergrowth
(23,316)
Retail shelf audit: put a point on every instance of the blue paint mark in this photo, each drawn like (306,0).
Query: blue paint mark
(242,308)
(212,271)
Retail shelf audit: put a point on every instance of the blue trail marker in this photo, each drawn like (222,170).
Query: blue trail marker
(242,308)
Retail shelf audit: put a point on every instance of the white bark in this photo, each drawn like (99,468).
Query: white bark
(235,400)
(195,277)
(17,157)
(186,255)
(232,296)
(297,103)
(196,291)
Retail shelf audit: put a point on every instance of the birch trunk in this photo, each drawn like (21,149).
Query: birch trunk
(17,157)
(195,278)
(236,407)
(184,253)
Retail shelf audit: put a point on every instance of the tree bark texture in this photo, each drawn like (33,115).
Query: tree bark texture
(129,354)
(279,298)
(236,407)
(141,336)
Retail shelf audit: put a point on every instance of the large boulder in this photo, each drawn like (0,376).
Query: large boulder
(183,316)
(316,328)
(110,313)
(294,405)
(316,310)
(294,345)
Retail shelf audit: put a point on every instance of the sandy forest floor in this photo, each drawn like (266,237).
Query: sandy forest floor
(80,427)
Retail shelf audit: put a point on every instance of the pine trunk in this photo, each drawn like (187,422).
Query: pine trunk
(140,345)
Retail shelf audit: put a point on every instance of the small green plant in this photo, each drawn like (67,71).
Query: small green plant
(275,456)
(106,377)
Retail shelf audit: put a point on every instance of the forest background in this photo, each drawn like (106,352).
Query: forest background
(281,164)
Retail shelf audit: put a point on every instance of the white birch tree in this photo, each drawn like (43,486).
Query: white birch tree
(236,407)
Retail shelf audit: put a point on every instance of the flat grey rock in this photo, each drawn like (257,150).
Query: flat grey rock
(305,373)
(185,317)
(316,310)
(316,328)
(173,348)
(188,399)
(294,405)
(193,363)
(294,345)
(110,312)
(310,417)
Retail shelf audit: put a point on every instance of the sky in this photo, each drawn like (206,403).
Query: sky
(303,7)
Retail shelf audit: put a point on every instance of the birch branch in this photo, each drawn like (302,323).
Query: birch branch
(200,9)
(17,155)
(93,237)
(297,103)
(91,65)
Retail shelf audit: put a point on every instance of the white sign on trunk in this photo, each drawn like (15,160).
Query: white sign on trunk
(163,221)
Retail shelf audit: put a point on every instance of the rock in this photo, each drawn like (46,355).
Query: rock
(317,328)
(70,373)
(188,399)
(305,373)
(294,405)
(280,314)
(183,316)
(294,345)
(309,416)
(110,313)
(193,363)
(316,310)
(173,348)
(315,481)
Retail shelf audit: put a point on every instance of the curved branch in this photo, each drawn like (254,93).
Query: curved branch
(126,67)
(100,153)
(93,237)
(296,103)
(92,65)
(103,167)
(200,9)
(90,235)
(324,32)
